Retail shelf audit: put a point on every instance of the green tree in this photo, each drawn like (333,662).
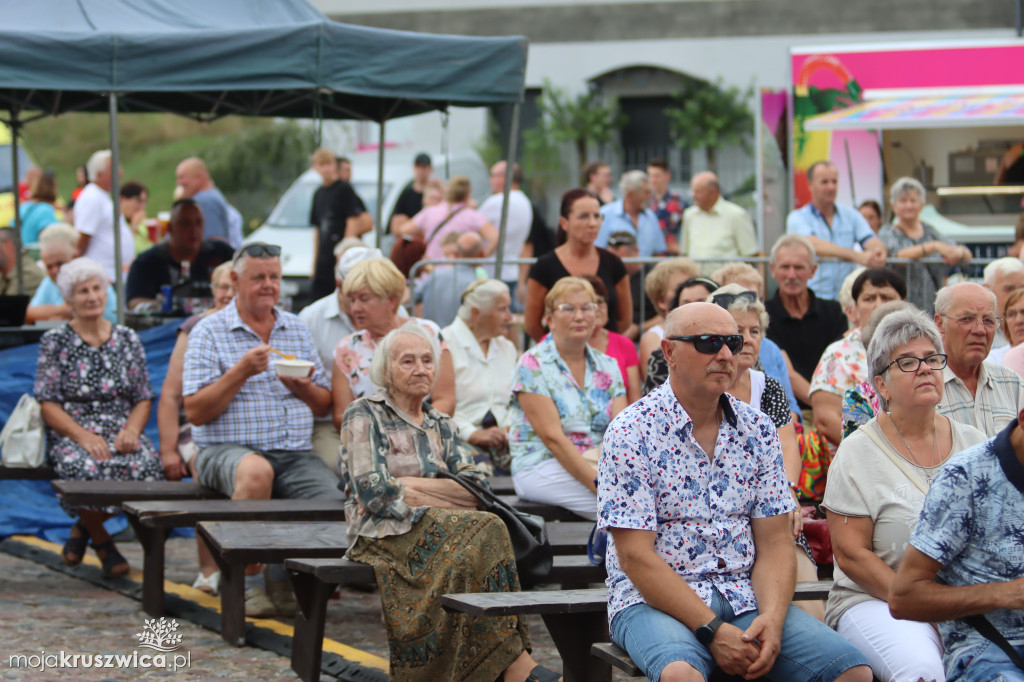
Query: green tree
(710,116)
(579,120)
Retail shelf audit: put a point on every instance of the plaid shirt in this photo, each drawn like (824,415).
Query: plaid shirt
(264,414)
(999,398)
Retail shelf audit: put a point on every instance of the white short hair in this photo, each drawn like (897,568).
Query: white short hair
(482,295)
(904,185)
(633,180)
(846,290)
(58,233)
(791,240)
(380,365)
(97,163)
(1000,268)
(77,271)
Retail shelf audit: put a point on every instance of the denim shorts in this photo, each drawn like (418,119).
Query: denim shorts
(298,474)
(810,650)
(987,663)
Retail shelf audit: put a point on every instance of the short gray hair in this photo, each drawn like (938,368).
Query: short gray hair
(380,365)
(895,330)
(867,330)
(77,271)
(791,240)
(58,233)
(904,185)
(1001,267)
(483,295)
(633,180)
(97,163)
(742,305)
(946,297)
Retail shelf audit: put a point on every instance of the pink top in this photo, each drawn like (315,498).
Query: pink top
(624,352)
(1014,359)
(466,220)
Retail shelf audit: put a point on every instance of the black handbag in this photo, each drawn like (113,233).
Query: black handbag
(527,532)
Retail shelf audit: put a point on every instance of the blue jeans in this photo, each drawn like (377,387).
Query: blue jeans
(810,650)
(988,664)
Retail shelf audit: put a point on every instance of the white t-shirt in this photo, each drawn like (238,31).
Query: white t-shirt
(517,231)
(863,481)
(94,216)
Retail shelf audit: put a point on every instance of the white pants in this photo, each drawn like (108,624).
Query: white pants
(549,483)
(898,650)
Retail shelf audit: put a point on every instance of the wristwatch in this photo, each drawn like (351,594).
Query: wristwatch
(706,633)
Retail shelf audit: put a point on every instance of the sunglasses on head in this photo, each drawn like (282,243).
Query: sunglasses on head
(726,300)
(258,250)
(709,344)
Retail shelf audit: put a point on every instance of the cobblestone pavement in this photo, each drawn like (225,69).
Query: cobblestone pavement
(42,609)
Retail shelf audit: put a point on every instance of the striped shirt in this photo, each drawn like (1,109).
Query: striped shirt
(1000,396)
(264,414)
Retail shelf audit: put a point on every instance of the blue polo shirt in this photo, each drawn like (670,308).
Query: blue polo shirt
(650,240)
(848,229)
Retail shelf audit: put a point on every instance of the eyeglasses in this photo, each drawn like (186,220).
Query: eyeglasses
(967,322)
(726,300)
(909,363)
(570,309)
(258,250)
(709,344)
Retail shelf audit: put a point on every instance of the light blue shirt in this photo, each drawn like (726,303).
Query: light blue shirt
(650,240)
(848,229)
(49,294)
(775,366)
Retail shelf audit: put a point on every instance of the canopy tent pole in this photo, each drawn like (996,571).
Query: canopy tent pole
(446,146)
(115,200)
(380,186)
(510,162)
(16,193)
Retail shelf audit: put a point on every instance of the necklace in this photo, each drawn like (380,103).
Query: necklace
(935,441)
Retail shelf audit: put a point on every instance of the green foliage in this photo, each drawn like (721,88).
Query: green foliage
(711,116)
(579,120)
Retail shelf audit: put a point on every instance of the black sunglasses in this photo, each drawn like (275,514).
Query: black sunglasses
(710,344)
(726,300)
(258,250)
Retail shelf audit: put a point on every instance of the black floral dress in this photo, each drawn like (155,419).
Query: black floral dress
(97,387)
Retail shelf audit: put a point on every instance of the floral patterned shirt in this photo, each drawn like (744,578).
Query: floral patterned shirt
(860,404)
(379,445)
(654,476)
(843,365)
(970,523)
(585,410)
(353,354)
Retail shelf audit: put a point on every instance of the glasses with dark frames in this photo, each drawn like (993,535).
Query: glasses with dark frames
(909,363)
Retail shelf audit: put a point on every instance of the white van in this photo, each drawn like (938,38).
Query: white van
(288,224)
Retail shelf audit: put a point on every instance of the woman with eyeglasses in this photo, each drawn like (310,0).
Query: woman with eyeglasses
(564,396)
(577,256)
(1013,329)
(876,486)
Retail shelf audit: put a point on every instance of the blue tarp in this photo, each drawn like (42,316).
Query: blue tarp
(30,507)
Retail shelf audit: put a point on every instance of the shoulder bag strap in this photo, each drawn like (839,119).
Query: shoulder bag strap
(442,224)
(896,458)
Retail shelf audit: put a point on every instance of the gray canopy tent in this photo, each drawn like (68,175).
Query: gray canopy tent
(206,60)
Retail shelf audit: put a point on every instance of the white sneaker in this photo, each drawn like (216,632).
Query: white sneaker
(210,584)
(258,604)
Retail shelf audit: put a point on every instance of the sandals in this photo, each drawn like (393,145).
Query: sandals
(542,674)
(210,584)
(74,548)
(114,564)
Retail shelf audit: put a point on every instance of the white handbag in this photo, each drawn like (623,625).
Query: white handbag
(22,444)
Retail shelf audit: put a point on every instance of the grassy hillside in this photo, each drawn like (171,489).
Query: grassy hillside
(150,145)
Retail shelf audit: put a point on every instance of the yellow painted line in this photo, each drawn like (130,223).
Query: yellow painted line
(210,602)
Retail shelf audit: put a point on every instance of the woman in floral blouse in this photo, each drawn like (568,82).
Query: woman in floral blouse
(422,533)
(93,388)
(564,396)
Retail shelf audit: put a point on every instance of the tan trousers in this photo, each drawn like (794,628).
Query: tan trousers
(327,443)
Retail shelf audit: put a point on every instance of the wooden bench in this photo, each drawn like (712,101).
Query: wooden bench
(314,580)
(549,512)
(153,521)
(43,473)
(502,485)
(576,620)
(101,493)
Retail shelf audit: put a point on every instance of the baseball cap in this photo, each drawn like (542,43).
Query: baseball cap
(622,238)
(422,159)
(355,255)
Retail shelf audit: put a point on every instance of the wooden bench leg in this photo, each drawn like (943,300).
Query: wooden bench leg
(153,541)
(308,640)
(232,601)
(573,635)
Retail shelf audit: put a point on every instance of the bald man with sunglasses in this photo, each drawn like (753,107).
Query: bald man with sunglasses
(691,486)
